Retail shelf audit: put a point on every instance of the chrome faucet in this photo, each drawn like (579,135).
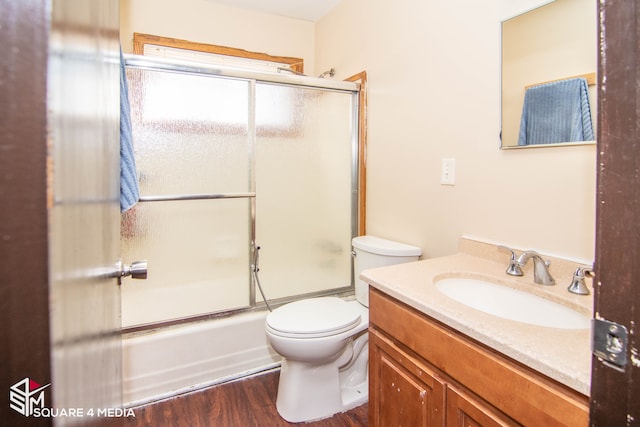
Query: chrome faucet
(541,273)
(578,286)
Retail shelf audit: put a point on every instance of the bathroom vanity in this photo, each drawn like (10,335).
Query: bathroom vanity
(436,361)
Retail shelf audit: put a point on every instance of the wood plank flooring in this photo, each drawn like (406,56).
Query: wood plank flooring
(245,403)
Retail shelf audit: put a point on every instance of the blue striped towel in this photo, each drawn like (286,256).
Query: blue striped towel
(129,191)
(556,112)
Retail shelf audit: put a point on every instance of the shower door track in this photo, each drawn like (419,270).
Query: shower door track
(189,67)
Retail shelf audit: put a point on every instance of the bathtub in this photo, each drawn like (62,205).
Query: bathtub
(167,362)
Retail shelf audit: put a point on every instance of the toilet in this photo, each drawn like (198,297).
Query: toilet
(324,342)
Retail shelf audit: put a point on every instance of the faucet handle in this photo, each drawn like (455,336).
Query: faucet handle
(578,286)
(514,267)
(584,272)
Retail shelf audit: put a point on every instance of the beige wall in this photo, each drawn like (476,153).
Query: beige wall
(434,92)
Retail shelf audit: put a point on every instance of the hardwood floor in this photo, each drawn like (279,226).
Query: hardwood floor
(244,403)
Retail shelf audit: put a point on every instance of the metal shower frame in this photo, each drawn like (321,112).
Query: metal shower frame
(253,77)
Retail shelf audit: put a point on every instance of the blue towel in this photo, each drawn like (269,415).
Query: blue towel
(556,112)
(129,191)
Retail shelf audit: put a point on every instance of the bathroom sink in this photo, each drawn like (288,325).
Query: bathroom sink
(512,304)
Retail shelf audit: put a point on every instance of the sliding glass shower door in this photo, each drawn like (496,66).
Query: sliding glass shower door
(227,161)
(191,138)
(304,191)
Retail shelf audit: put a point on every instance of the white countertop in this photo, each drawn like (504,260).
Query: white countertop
(561,354)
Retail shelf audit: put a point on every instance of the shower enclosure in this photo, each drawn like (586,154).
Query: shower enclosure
(230,161)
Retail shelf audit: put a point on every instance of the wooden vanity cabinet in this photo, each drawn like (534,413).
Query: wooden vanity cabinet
(405,391)
(423,373)
(464,410)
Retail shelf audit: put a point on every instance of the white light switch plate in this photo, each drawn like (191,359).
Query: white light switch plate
(448,172)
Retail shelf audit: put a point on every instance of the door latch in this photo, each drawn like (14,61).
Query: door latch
(137,270)
(610,342)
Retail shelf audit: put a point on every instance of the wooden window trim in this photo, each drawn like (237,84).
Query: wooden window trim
(140,40)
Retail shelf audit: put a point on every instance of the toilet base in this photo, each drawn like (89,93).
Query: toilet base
(308,392)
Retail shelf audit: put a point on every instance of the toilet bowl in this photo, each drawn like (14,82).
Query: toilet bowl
(324,341)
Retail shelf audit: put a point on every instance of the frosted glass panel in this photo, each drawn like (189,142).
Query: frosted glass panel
(198,254)
(303,188)
(190,132)
(192,136)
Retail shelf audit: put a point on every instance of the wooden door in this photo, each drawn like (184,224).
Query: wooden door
(59,154)
(615,390)
(84,122)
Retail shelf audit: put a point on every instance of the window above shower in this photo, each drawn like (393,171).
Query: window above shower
(276,110)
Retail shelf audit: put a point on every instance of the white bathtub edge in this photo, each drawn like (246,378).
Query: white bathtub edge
(219,381)
(179,360)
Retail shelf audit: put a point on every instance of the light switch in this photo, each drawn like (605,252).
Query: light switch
(448,172)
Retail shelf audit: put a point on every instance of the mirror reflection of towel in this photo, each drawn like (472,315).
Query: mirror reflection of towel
(556,112)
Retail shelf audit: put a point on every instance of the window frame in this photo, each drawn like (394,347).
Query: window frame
(141,39)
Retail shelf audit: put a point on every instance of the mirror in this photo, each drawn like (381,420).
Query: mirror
(552,43)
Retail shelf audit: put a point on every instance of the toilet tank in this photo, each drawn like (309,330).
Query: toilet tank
(371,252)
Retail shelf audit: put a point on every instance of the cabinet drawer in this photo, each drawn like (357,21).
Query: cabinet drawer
(520,392)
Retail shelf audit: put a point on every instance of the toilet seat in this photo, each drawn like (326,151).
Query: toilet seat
(313,318)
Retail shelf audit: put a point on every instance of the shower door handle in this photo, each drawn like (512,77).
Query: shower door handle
(137,270)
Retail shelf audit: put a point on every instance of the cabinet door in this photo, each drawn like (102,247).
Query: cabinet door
(402,391)
(465,411)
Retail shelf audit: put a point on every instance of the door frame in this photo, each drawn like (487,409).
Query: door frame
(615,392)
(24,276)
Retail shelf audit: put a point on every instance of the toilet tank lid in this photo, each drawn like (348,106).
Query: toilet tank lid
(379,246)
